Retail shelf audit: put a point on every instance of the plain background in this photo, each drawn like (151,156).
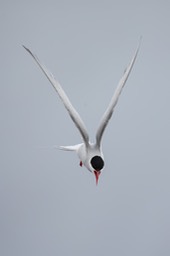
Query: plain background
(49,205)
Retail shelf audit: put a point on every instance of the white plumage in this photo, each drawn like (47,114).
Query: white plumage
(90,154)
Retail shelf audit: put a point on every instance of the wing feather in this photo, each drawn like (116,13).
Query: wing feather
(71,110)
(109,111)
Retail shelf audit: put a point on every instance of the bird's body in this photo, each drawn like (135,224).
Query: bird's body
(90,154)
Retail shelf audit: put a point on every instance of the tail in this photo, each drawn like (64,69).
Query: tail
(69,148)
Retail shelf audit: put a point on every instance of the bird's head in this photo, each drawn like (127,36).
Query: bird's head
(97,163)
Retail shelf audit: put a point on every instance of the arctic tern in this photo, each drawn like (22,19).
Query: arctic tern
(90,154)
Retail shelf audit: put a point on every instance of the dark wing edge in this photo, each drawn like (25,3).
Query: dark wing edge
(109,111)
(71,110)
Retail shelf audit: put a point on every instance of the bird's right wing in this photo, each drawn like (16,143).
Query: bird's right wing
(71,110)
(109,111)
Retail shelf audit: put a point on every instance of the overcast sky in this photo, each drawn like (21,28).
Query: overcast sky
(49,205)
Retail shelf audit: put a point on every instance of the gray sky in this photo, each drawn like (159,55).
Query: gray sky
(49,205)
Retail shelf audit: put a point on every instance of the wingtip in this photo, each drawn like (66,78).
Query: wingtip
(137,49)
(140,41)
(24,47)
(28,50)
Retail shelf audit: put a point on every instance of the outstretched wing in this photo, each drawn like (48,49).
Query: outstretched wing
(109,111)
(71,110)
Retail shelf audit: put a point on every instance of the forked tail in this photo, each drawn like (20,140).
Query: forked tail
(69,148)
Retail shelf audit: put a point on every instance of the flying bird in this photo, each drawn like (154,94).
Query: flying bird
(90,154)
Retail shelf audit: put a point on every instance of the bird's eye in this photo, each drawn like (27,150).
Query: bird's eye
(97,163)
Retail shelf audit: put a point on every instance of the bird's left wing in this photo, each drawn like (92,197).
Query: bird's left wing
(109,111)
(71,110)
